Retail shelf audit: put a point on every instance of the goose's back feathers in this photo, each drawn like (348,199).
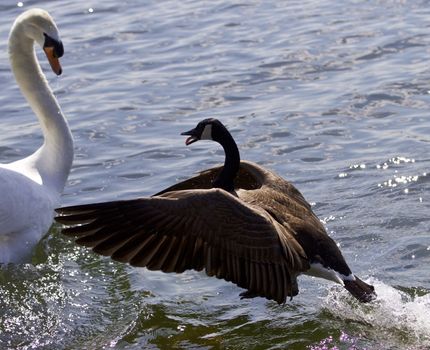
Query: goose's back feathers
(258,186)
(251,176)
(248,178)
(197,229)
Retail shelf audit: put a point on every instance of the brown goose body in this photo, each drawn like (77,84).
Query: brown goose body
(260,236)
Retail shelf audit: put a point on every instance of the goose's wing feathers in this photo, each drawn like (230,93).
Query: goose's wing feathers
(204,229)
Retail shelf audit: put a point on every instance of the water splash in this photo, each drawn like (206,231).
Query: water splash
(395,317)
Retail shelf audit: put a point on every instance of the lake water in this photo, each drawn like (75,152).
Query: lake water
(333,96)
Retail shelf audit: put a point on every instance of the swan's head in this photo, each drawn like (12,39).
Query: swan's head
(39,26)
(207,129)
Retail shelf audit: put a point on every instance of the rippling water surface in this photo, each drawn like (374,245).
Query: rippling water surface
(334,96)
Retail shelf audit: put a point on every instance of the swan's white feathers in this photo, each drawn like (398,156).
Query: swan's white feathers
(35,23)
(21,225)
(30,188)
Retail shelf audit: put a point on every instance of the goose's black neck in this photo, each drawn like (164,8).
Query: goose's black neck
(225,178)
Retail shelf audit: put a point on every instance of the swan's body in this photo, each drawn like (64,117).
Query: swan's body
(240,222)
(30,188)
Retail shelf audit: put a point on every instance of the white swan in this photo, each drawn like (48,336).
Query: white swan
(30,188)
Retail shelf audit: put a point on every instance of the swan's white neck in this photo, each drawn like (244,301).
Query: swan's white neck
(53,160)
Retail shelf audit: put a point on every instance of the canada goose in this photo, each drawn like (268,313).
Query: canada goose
(239,222)
(30,188)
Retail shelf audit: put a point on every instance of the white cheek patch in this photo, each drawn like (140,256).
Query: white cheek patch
(207,133)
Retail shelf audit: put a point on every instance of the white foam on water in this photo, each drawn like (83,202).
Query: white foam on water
(395,316)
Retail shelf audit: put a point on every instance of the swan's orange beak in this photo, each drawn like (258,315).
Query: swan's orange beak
(53,60)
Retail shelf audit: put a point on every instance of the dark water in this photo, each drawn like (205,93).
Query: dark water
(334,96)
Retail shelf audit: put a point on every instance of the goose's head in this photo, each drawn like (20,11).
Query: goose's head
(39,26)
(207,129)
(213,129)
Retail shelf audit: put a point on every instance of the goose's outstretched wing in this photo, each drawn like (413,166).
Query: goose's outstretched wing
(195,229)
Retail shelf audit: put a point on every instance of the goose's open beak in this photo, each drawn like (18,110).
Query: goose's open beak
(193,136)
(53,59)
